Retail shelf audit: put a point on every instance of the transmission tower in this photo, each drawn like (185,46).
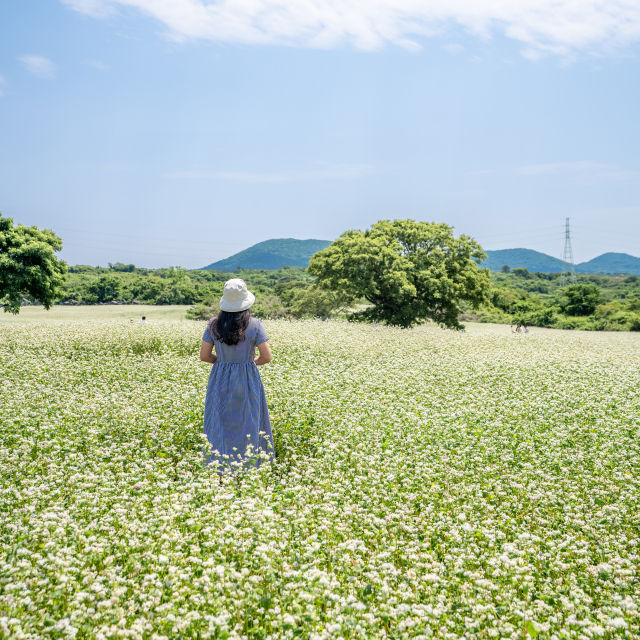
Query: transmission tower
(568,270)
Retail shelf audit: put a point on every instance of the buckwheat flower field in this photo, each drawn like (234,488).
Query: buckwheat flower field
(428,484)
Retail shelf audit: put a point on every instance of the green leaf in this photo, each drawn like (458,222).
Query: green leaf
(530,628)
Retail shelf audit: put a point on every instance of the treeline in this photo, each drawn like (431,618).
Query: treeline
(288,292)
(288,299)
(599,303)
(127,284)
(595,303)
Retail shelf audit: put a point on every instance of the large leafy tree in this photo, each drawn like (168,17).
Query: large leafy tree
(409,271)
(28,265)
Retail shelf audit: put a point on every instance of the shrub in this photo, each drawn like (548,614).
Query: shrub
(522,272)
(202,311)
(269,307)
(581,299)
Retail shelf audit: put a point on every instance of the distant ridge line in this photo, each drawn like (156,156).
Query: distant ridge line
(290,252)
(611,263)
(272,254)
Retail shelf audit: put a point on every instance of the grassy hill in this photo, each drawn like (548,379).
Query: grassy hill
(272,254)
(611,263)
(288,252)
(527,258)
(536,261)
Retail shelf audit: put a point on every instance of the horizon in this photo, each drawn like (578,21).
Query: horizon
(184,132)
(489,251)
(486,250)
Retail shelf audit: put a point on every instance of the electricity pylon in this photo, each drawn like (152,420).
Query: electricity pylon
(568,269)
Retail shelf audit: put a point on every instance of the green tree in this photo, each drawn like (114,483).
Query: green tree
(287,291)
(504,299)
(522,273)
(408,271)
(106,288)
(506,268)
(319,303)
(580,299)
(177,275)
(124,268)
(28,265)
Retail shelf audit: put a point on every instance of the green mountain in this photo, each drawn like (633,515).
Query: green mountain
(272,254)
(611,263)
(536,261)
(287,252)
(527,258)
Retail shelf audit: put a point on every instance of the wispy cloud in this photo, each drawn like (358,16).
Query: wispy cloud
(583,170)
(96,64)
(558,167)
(453,48)
(2,81)
(345,171)
(39,66)
(542,26)
(479,172)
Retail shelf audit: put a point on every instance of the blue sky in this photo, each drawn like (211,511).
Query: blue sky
(165,132)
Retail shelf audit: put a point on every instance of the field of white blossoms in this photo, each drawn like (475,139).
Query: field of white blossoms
(428,484)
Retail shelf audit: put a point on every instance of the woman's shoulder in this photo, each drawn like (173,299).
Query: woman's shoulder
(258,332)
(256,327)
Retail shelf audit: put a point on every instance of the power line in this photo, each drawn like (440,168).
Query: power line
(531,238)
(529,242)
(520,233)
(149,253)
(133,247)
(121,235)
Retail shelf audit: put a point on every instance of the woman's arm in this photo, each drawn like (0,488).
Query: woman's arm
(265,354)
(206,353)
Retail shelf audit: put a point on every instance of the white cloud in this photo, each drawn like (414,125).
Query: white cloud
(559,167)
(39,66)
(453,48)
(2,81)
(101,66)
(341,171)
(583,170)
(543,26)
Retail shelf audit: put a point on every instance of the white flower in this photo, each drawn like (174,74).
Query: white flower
(618,623)
(359,522)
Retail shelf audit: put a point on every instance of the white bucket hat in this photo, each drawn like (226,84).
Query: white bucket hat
(236,296)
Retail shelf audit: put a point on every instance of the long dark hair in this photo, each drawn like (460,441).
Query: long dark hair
(228,327)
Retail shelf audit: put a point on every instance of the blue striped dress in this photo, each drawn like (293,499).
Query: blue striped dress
(235,412)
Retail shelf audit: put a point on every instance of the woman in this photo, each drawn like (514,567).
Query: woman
(236,413)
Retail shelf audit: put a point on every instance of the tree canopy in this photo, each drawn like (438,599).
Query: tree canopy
(581,299)
(408,271)
(28,265)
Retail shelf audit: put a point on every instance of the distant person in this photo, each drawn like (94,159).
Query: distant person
(518,328)
(235,412)
(526,329)
(144,320)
